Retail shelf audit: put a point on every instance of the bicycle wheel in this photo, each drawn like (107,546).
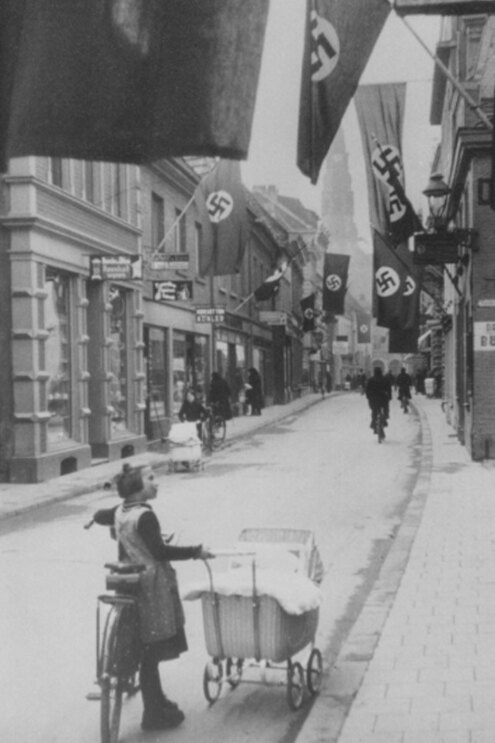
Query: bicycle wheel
(218,431)
(118,667)
(380,430)
(110,709)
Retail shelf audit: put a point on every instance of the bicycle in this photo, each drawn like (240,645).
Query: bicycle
(213,429)
(380,425)
(118,648)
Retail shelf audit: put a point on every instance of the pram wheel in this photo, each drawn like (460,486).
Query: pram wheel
(212,680)
(314,671)
(295,685)
(233,669)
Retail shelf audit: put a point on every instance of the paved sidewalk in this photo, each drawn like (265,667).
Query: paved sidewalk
(19,498)
(419,664)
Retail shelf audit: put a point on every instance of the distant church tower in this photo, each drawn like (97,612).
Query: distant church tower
(337,210)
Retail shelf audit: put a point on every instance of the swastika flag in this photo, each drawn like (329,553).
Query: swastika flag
(335,272)
(128,80)
(363,327)
(340,36)
(380,110)
(396,285)
(221,202)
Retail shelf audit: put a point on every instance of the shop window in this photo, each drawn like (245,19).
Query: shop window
(189,366)
(118,359)
(156,378)
(57,357)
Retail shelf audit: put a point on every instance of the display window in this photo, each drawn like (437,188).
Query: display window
(118,359)
(189,366)
(58,358)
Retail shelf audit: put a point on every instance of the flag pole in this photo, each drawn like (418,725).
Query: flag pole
(462,92)
(291,258)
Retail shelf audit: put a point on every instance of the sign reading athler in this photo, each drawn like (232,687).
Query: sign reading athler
(210,314)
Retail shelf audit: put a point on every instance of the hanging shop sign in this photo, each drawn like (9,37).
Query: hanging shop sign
(435,250)
(273,317)
(208,314)
(115,267)
(172,291)
(484,336)
(171,262)
(444,7)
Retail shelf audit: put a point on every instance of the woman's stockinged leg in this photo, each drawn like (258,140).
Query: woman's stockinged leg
(159,712)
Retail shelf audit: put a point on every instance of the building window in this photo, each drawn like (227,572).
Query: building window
(56,171)
(89,181)
(58,357)
(180,232)
(117,189)
(198,237)
(156,379)
(118,359)
(157,220)
(190,366)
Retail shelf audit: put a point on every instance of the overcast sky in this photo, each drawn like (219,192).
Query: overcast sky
(397,57)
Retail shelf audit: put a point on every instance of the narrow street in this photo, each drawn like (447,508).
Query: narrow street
(321,470)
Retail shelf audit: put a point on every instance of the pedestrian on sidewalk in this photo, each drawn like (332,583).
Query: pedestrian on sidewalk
(161,617)
(254,393)
(220,395)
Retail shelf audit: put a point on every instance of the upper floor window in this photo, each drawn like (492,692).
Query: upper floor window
(198,237)
(157,220)
(89,181)
(56,171)
(180,232)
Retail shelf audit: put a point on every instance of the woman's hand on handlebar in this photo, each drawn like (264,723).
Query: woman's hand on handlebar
(205,554)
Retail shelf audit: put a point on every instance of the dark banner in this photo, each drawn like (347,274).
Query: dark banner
(127,80)
(221,201)
(396,286)
(335,273)
(363,328)
(339,39)
(403,341)
(308,313)
(380,110)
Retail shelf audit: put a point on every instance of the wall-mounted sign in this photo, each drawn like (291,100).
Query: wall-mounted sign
(273,317)
(340,347)
(444,7)
(435,250)
(115,267)
(171,262)
(210,314)
(172,291)
(484,336)
(486,303)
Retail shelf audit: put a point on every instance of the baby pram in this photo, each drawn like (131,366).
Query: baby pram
(247,620)
(185,447)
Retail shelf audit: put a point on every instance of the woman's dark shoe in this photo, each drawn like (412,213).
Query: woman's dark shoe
(168,704)
(166,719)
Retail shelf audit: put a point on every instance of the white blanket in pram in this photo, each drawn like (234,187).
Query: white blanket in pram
(295,593)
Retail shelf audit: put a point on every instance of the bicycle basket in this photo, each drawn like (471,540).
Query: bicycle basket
(123,583)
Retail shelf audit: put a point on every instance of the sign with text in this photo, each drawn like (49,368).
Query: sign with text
(484,336)
(115,267)
(273,317)
(172,291)
(170,262)
(444,7)
(210,314)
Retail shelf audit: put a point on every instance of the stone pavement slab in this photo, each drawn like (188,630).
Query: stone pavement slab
(425,672)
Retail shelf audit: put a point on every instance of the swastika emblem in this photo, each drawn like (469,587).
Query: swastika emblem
(325,48)
(363,329)
(309,313)
(333,282)
(387,166)
(387,281)
(219,205)
(410,286)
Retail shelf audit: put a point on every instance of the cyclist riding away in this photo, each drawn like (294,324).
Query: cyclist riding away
(404,383)
(161,618)
(378,393)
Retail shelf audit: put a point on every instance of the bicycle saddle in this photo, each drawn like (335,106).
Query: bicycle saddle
(124,568)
